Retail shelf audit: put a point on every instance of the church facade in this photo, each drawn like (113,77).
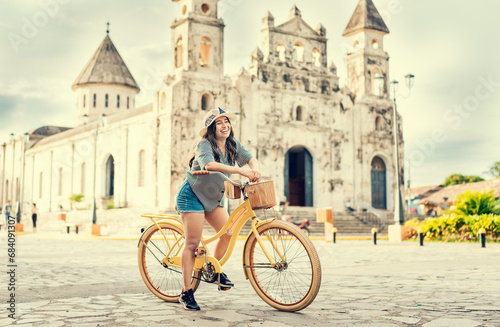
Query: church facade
(323,145)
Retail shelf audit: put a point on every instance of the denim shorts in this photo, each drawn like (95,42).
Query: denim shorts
(187,201)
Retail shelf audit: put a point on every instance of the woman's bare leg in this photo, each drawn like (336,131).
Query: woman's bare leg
(217,219)
(193,228)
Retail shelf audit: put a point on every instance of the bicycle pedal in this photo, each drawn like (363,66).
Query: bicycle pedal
(223,288)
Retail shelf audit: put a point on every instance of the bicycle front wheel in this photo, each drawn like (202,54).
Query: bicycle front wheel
(164,282)
(293,283)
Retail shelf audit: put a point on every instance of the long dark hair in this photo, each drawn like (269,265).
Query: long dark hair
(210,136)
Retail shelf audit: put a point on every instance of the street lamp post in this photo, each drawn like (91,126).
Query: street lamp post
(94,208)
(409,187)
(26,138)
(2,199)
(12,141)
(398,201)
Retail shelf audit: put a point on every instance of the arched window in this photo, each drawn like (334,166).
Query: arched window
(110,177)
(378,82)
(281,52)
(141,168)
(163,101)
(205,8)
(316,58)
(298,52)
(299,113)
(60,189)
(128,102)
(205,45)
(95,100)
(82,188)
(178,53)
(84,100)
(106,98)
(118,101)
(375,44)
(356,45)
(378,123)
(378,184)
(206,101)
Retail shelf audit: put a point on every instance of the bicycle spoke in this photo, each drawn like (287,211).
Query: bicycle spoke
(164,281)
(290,282)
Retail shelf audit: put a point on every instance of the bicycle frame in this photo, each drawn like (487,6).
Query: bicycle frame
(232,227)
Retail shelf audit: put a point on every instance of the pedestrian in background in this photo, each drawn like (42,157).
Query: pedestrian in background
(8,211)
(34,215)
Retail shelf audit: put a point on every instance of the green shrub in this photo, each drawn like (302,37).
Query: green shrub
(475,203)
(110,204)
(76,198)
(453,227)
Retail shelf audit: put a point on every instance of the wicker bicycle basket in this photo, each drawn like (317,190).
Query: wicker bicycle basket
(232,191)
(261,195)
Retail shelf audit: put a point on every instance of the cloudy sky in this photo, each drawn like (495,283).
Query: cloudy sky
(451,118)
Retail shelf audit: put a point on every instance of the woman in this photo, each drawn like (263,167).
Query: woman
(201,197)
(34,215)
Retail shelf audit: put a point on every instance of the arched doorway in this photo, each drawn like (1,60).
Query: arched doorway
(299,177)
(110,177)
(378,180)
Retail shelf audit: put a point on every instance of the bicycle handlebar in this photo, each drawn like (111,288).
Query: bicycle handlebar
(210,172)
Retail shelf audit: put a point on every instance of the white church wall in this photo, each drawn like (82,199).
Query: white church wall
(126,94)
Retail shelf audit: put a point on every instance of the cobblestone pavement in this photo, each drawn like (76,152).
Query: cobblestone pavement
(76,280)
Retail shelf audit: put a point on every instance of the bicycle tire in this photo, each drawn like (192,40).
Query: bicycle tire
(164,282)
(295,285)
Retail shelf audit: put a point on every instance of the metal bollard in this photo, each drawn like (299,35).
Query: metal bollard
(334,235)
(482,237)
(374,232)
(421,237)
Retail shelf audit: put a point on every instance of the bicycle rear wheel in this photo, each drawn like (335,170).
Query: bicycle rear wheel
(164,282)
(295,281)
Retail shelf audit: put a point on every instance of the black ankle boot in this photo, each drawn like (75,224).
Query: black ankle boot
(188,301)
(224,281)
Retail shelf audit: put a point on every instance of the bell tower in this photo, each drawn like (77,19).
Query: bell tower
(367,62)
(198,38)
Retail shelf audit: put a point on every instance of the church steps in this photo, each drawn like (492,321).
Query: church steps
(128,221)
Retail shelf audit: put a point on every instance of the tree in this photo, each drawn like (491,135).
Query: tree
(495,170)
(476,203)
(455,179)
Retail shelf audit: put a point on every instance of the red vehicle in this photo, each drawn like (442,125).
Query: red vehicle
(302,225)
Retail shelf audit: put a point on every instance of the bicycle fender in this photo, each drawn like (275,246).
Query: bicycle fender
(267,221)
(172,221)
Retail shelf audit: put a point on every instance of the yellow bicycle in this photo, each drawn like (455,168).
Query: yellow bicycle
(279,260)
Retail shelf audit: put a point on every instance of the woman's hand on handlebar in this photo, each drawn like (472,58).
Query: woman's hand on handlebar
(256,175)
(252,175)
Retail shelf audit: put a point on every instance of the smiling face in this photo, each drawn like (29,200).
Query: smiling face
(222,128)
